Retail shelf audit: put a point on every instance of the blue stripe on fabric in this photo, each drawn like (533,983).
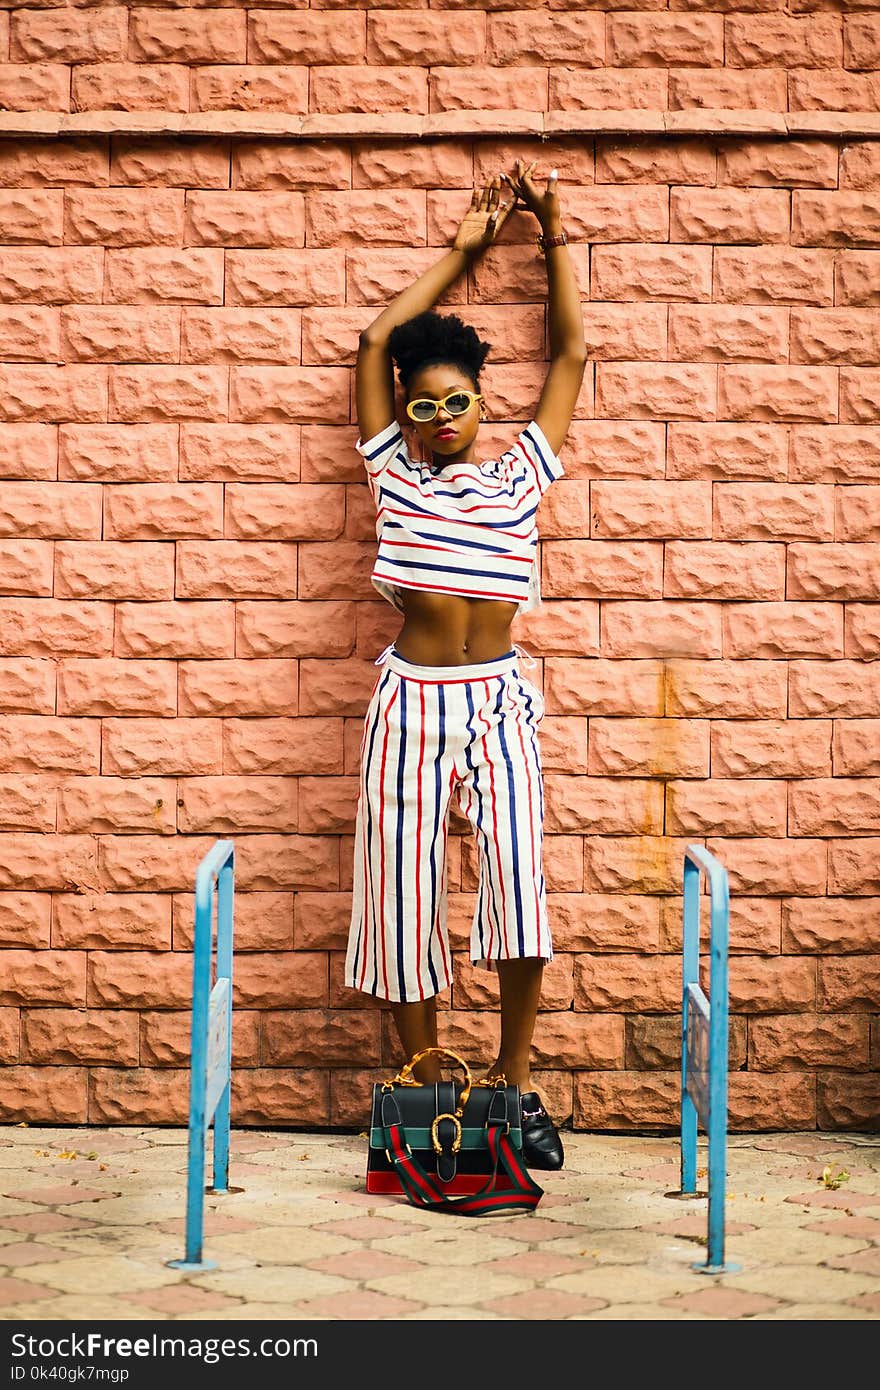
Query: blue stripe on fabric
(537,448)
(502,552)
(441,746)
(533,726)
(471,735)
(383,448)
(486,880)
(522,580)
(399,841)
(512,810)
(369,875)
(487,496)
(411,506)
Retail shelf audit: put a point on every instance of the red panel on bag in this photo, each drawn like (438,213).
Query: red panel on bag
(463,1184)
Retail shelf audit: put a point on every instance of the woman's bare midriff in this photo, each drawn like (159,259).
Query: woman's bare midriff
(451,630)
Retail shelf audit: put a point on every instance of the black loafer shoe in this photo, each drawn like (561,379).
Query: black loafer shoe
(541,1144)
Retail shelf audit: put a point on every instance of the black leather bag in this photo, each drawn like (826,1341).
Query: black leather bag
(449,1145)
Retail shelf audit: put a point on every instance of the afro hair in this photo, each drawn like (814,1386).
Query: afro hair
(431,340)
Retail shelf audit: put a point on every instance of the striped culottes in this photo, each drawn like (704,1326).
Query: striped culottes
(432,732)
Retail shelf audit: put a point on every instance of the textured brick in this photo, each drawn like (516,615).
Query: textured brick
(273,277)
(784,748)
(607,89)
(776,629)
(9,1035)
(49,627)
(72,36)
(106,685)
(240,451)
(25,919)
(52,275)
(118,453)
(123,217)
(836,926)
(237,687)
(170,163)
(845,688)
(731,807)
(130,87)
(627,983)
(163,511)
(29,332)
(235,569)
(652,161)
(661,40)
(588,569)
(766,986)
(157,1097)
(313,1037)
(187,36)
(263,921)
(239,87)
(333,90)
(98,804)
(727,450)
(758,1102)
(773,275)
(111,921)
(137,979)
(847,1102)
(44,977)
(655,1043)
(584,804)
(808,1041)
(771,866)
(245,219)
(857,278)
(27,686)
(175,629)
(168,393)
(557,37)
(95,334)
(55,1037)
(280,1095)
(28,451)
(192,276)
(26,568)
(850,982)
(35,86)
(626,1100)
(165,1039)
(31,214)
(851,868)
(796,41)
(180,747)
(49,162)
(48,1095)
(113,569)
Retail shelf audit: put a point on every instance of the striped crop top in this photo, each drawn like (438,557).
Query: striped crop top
(469,529)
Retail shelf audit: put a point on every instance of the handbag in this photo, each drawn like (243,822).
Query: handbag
(449,1146)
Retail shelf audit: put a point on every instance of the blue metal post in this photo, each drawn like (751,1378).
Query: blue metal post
(211,1042)
(704,1025)
(690,975)
(719,917)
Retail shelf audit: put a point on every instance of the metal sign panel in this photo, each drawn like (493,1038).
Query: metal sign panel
(698,1050)
(217,1062)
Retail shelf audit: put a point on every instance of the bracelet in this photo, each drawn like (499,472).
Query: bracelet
(545,242)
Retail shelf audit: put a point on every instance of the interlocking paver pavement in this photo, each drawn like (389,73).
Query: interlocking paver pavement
(89,1219)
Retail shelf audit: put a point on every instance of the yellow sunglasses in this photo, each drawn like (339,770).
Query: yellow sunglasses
(424,408)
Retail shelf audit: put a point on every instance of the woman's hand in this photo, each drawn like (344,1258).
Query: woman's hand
(483,220)
(545,205)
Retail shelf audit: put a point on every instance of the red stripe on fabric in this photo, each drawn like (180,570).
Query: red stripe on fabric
(490,901)
(369,910)
(433,588)
(494,810)
(488,501)
(418,873)
(482,556)
(531,819)
(380,931)
(533,463)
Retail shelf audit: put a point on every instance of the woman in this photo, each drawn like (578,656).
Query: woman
(451,712)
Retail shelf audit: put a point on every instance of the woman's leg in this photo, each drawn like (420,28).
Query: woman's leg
(416,1025)
(520,982)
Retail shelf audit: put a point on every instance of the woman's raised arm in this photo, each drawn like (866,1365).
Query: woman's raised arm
(568,353)
(374,376)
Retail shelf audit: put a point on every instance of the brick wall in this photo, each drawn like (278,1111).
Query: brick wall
(199,209)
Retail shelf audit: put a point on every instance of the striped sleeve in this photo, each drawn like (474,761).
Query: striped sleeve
(380,451)
(533,447)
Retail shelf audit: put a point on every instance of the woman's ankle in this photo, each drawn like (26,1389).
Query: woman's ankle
(514,1073)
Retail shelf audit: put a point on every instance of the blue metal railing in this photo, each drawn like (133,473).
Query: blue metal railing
(704,1028)
(211,1053)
